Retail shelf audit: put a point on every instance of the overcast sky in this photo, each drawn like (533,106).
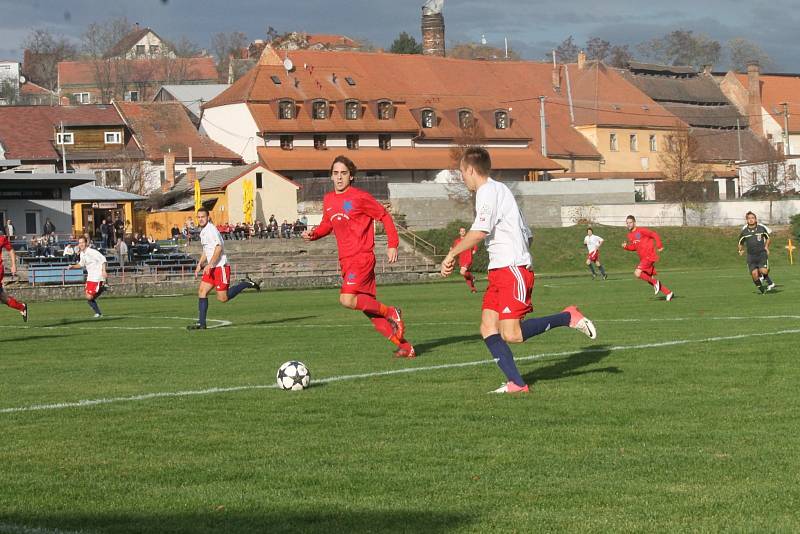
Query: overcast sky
(532,26)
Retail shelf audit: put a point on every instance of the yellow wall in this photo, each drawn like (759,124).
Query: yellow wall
(276,197)
(623,159)
(78,222)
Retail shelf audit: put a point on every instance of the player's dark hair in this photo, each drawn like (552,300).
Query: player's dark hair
(631,217)
(590,229)
(84,237)
(750,213)
(478,158)
(347,162)
(204,210)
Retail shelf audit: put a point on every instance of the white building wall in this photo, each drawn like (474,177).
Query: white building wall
(233,127)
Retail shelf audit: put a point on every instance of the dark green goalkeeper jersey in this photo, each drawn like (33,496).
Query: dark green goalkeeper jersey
(754,239)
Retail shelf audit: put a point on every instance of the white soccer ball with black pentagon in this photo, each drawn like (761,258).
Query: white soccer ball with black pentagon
(293,376)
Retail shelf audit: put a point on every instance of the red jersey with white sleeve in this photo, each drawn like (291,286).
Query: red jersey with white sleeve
(644,242)
(465,258)
(349,215)
(5,244)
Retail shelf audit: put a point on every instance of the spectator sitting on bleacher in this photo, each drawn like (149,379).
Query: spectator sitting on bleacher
(273,228)
(175,233)
(49,245)
(286,230)
(299,228)
(69,252)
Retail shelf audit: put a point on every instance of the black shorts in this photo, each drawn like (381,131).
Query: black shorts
(759,261)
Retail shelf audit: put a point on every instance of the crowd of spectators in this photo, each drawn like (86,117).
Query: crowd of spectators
(264,230)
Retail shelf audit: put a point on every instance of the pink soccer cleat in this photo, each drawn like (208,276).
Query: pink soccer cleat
(580,323)
(511,387)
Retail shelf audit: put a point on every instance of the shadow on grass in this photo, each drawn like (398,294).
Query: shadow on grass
(221,520)
(33,338)
(279,321)
(422,348)
(69,322)
(571,365)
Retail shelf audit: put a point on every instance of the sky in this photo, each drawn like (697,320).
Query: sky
(533,27)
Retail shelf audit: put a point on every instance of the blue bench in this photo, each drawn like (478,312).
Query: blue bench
(54,275)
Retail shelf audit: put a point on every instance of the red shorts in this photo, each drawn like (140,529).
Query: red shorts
(93,288)
(219,277)
(648,267)
(358,275)
(509,292)
(594,256)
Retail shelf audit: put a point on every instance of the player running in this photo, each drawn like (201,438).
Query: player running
(593,244)
(95,264)
(349,213)
(5,298)
(756,238)
(507,300)
(216,271)
(465,260)
(645,242)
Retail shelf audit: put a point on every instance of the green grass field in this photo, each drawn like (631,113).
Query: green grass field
(681,416)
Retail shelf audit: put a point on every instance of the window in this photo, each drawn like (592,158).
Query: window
(275,79)
(113,178)
(384,110)
(66,138)
(792,170)
(139,50)
(32,222)
(385,141)
(259,180)
(320,109)
(131,96)
(153,50)
(287,142)
(113,138)
(351,110)
(464,119)
(82,98)
(612,142)
(350,80)
(634,143)
(428,118)
(286,109)
(653,143)
(501,120)
(320,141)
(352,142)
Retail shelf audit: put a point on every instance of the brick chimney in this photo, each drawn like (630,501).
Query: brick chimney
(754,109)
(169,172)
(432,33)
(581,59)
(191,176)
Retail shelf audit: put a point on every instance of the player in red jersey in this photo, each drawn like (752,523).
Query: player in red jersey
(6,299)
(349,213)
(465,260)
(645,242)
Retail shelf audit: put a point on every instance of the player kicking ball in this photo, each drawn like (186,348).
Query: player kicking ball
(755,238)
(349,213)
(216,270)
(95,264)
(465,261)
(593,244)
(499,222)
(5,298)
(645,242)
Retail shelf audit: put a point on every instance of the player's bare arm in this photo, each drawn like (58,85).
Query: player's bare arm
(391,254)
(471,239)
(13,256)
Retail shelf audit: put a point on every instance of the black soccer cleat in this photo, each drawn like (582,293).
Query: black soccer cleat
(196,326)
(255,284)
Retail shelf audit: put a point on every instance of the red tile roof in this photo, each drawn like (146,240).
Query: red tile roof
(775,90)
(163,126)
(31,88)
(404,158)
(331,40)
(28,132)
(197,69)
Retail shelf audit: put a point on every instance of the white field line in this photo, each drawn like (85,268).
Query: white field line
(99,324)
(8,528)
(534,357)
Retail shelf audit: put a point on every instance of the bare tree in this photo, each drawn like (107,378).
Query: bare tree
(8,92)
(480,51)
(43,52)
(227,46)
(682,47)
(184,47)
(683,173)
(743,52)
(110,72)
(134,172)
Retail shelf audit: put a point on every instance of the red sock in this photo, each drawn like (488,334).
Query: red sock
(11,302)
(647,278)
(381,325)
(665,289)
(470,279)
(371,306)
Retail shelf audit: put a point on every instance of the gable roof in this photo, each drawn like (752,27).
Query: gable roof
(775,90)
(160,127)
(192,69)
(222,178)
(192,96)
(91,192)
(126,43)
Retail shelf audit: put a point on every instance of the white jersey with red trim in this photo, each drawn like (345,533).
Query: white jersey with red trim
(209,239)
(497,214)
(92,260)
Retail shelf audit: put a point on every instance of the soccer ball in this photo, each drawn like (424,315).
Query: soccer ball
(293,375)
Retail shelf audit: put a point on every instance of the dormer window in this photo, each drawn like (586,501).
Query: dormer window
(385,141)
(428,118)
(287,142)
(286,109)
(384,110)
(501,120)
(465,119)
(351,110)
(320,142)
(320,109)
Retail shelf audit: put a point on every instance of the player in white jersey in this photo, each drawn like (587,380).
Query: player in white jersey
(95,264)
(593,243)
(216,271)
(499,221)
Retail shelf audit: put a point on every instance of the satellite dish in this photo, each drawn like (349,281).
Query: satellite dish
(22,79)
(288,65)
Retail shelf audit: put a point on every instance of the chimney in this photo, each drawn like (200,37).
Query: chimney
(581,60)
(169,171)
(557,78)
(191,176)
(754,98)
(707,69)
(432,32)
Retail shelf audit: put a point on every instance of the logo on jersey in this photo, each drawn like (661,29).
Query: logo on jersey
(347,206)
(350,279)
(637,235)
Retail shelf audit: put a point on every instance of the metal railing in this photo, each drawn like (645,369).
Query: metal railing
(417,242)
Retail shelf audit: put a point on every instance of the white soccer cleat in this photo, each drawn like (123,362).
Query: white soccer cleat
(98,315)
(670,295)
(771,286)
(656,287)
(580,322)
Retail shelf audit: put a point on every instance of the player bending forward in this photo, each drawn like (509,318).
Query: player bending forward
(500,223)
(593,244)
(645,242)
(6,299)
(216,271)
(349,213)
(756,238)
(465,260)
(95,264)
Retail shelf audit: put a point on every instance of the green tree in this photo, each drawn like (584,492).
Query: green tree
(405,44)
